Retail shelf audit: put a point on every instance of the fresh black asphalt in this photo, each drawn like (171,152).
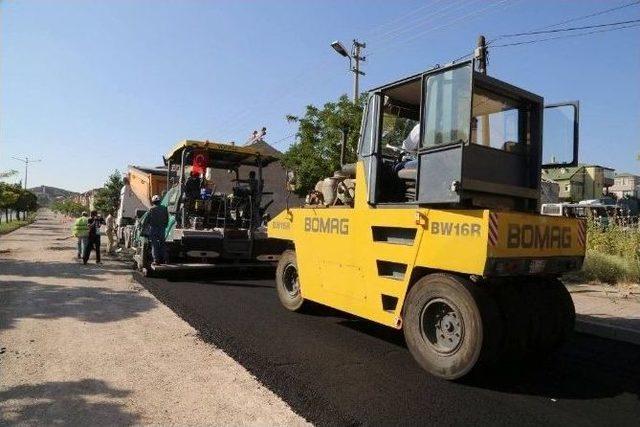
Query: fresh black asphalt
(333,368)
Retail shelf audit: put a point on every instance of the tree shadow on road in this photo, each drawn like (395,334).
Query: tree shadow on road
(84,402)
(59,270)
(27,299)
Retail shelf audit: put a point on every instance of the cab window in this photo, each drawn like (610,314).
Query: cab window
(498,122)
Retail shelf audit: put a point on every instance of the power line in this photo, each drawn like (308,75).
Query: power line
(422,20)
(284,92)
(560,30)
(579,18)
(602,12)
(418,35)
(235,122)
(566,36)
(283,139)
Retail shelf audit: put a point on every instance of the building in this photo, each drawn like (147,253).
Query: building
(87,198)
(626,184)
(582,182)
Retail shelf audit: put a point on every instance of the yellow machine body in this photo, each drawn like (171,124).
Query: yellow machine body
(364,259)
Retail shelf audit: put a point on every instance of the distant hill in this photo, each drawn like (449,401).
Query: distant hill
(48,194)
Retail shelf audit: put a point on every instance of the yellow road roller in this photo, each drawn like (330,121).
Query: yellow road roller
(435,229)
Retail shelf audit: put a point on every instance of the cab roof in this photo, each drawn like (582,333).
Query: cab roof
(222,155)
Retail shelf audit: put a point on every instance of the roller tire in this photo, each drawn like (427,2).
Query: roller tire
(538,318)
(476,312)
(289,294)
(565,314)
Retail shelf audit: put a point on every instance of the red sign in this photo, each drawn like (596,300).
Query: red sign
(200,161)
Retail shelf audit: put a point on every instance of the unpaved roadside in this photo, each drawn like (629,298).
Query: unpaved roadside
(87,345)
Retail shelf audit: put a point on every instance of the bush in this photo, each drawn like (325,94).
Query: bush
(608,268)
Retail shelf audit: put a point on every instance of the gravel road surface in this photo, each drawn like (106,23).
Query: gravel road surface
(86,345)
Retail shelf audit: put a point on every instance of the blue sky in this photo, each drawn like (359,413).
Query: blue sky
(92,86)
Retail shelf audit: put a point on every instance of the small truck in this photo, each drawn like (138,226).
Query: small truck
(140,184)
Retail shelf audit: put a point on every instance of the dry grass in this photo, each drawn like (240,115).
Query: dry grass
(613,255)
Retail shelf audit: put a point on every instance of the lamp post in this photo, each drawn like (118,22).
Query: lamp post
(354,62)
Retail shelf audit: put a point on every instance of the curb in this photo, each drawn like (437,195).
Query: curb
(605,330)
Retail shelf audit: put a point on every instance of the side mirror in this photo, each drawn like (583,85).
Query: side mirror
(560,136)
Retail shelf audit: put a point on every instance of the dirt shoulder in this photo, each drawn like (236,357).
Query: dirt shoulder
(87,345)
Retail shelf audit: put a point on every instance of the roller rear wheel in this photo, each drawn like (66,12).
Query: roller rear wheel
(450,324)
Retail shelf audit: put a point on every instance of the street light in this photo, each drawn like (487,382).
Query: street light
(353,57)
(338,47)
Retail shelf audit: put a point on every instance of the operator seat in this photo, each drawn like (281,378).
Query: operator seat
(409,175)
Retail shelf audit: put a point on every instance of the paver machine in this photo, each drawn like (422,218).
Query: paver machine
(435,229)
(216,215)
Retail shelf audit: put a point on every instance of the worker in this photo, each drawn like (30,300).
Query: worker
(80,230)
(155,223)
(410,143)
(192,186)
(95,222)
(110,223)
(410,148)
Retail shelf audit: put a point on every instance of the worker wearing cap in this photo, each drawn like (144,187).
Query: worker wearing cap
(80,229)
(155,223)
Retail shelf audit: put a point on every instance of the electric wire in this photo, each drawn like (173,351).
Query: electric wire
(236,122)
(560,30)
(565,36)
(591,15)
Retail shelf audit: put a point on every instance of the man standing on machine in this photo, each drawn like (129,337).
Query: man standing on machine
(155,224)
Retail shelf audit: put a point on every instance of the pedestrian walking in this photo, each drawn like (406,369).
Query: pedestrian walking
(80,230)
(154,224)
(110,230)
(95,221)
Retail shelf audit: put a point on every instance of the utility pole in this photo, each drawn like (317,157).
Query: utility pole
(481,56)
(26,162)
(356,55)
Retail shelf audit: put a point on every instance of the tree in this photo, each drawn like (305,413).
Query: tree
(26,202)
(68,207)
(8,197)
(316,154)
(107,198)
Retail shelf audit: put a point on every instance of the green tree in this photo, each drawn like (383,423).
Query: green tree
(108,197)
(316,154)
(68,207)
(26,202)
(8,196)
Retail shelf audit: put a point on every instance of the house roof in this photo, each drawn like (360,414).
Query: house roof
(623,174)
(586,165)
(561,173)
(157,170)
